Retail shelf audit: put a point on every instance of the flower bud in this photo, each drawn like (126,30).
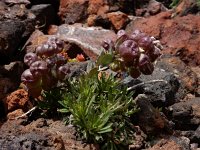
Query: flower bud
(29,58)
(128,50)
(146,43)
(80,57)
(29,80)
(60,59)
(153,55)
(108,44)
(62,72)
(145,65)
(137,35)
(38,68)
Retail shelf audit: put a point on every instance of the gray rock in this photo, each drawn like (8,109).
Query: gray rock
(184,142)
(77,68)
(11,34)
(186,114)
(16,25)
(12,71)
(45,15)
(89,39)
(159,93)
(196,136)
(150,119)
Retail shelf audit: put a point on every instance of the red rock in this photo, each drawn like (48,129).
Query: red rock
(118,19)
(180,36)
(17,100)
(72,11)
(95,6)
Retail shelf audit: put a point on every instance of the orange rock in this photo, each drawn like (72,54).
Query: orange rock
(118,19)
(52,29)
(17,100)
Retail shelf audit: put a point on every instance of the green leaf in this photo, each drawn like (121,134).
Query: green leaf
(106,129)
(63,110)
(105,59)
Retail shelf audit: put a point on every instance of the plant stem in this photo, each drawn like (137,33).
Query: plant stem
(28,112)
(103,68)
(140,84)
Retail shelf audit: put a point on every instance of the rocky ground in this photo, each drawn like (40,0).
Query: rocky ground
(83,25)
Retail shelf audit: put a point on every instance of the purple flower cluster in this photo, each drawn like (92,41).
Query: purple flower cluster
(134,53)
(46,67)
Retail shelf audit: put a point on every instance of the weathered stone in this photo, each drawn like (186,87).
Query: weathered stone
(87,39)
(196,136)
(14,114)
(118,19)
(152,8)
(155,7)
(54,3)
(150,119)
(166,145)
(17,2)
(180,35)
(40,134)
(172,143)
(186,114)
(139,139)
(72,11)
